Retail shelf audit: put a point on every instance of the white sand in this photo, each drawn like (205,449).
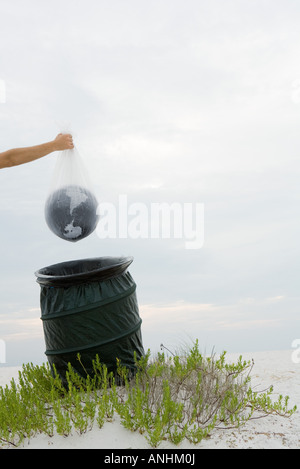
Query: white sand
(271,368)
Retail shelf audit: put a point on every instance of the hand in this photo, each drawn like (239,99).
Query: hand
(63,142)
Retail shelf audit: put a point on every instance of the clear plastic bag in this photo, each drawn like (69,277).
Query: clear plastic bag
(71,207)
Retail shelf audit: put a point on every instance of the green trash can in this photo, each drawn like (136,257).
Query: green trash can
(89,307)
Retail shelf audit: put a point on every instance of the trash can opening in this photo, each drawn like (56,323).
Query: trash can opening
(72,272)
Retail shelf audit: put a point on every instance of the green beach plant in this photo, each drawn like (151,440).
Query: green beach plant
(185,396)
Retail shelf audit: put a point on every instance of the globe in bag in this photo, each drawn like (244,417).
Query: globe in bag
(71,212)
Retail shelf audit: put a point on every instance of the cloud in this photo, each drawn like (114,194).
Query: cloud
(169,101)
(21,325)
(183,315)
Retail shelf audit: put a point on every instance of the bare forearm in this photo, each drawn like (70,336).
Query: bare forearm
(19,156)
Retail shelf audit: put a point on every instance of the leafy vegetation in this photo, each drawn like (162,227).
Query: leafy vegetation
(170,398)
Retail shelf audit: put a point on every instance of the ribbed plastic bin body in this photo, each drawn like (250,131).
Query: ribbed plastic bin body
(89,307)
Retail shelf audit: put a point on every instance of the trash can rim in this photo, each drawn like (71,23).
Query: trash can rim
(120,264)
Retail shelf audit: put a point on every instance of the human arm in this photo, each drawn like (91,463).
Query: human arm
(18,156)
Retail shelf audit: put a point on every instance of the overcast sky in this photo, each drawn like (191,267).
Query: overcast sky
(169,101)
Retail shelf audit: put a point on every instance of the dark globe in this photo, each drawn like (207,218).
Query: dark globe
(71,213)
